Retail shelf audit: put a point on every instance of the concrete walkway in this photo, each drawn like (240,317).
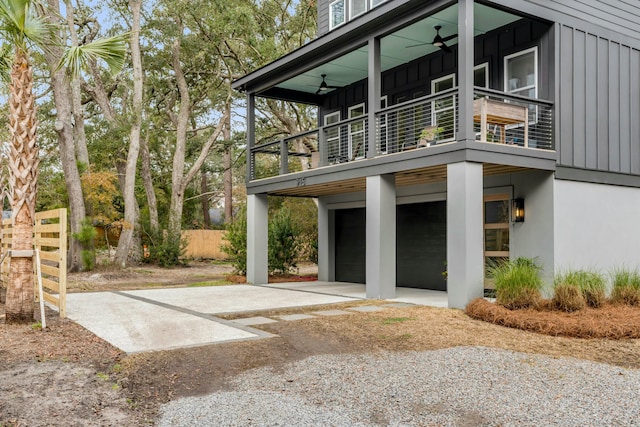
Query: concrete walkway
(163,319)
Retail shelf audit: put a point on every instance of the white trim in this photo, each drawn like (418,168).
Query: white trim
(372,5)
(366,8)
(334,141)
(332,25)
(351,155)
(535,71)
(453,101)
(484,65)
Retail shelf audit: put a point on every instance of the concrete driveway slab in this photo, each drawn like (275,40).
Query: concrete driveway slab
(235,298)
(135,326)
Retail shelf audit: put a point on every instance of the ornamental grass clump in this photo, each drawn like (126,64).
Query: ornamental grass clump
(626,287)
(518,283)
(573,290)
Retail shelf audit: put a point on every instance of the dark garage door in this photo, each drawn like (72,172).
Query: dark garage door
(350,245)
(421,249)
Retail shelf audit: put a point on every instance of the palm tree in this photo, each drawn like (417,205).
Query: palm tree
(27,31)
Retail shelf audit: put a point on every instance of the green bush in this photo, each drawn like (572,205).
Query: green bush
(626,287)
(236,246)
(167,250)
(590,285)
(86,237)
(283,242)
(517,282)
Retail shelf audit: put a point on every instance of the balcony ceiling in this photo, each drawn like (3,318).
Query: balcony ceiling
(352,67)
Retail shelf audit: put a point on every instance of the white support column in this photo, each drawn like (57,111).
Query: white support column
(465,70)
(324,247)
(257,239)
(381,236)
(465,256)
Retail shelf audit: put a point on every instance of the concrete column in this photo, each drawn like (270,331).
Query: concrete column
(324,248)
(257,239)
(381,236)
(465,256)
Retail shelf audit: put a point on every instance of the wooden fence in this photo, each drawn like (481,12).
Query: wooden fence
(204,244)
(50,238)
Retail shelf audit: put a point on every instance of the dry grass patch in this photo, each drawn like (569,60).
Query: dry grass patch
(609,321)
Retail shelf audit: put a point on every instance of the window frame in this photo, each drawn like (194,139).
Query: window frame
(434,111)
(512,56)
(351,133)
(335,139)
(345,18)
(351,8)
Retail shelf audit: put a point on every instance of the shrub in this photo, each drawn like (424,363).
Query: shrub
(236,246)
(283,242)
(590,286)
(86,236)
(517,283)
(167,250)
(626,287)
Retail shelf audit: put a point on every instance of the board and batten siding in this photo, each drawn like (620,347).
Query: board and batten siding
(599,103)
(323,16)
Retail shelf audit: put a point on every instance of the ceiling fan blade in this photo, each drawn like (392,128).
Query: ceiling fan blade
(416,45)
(452,36)
(318,91)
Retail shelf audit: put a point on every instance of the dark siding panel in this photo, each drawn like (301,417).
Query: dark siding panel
(621,15)
(625,106)
(350,245)
(635,111)
(603,104)
(323,16)
(579,91)
(565,141)
(591,102)
(614,107)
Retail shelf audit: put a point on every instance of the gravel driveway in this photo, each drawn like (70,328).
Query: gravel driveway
(460,386)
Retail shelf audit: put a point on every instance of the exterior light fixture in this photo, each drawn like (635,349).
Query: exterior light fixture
(517,210)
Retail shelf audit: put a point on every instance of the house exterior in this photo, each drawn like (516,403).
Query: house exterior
(440,123)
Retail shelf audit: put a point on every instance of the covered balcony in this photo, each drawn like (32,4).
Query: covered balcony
(411,81)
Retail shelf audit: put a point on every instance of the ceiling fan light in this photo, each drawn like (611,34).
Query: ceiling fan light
(437,43)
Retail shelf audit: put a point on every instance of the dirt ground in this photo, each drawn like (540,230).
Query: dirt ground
(65,375)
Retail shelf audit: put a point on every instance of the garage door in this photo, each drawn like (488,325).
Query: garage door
(421,250)
(350,245)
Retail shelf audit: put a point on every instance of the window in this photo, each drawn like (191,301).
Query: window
(356,133)
(521,73)
(337,13)
(333,135)
(375,3)
(496,232)
(443,109)
(357,7)
(481,75)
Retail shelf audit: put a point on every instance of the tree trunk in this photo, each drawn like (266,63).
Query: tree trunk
(63,99)
(145,159)
(228,171)
(205,200)
(23,162)
(125,251)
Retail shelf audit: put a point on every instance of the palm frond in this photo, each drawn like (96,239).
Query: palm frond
(6,60)
(20,23)
(111,50)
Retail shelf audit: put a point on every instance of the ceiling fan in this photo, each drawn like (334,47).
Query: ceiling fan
(324,86)
(438,40)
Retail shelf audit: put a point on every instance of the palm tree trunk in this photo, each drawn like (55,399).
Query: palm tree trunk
(23,162)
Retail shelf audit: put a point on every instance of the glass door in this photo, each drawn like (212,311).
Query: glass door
(443,109)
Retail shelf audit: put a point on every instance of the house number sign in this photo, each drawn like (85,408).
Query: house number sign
(300,182)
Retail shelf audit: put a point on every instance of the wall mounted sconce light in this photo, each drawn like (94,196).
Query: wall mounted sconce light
(517,210)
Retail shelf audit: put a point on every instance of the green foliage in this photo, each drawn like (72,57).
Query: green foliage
(236,246)
(392,320)
(517,282)
(283,242)
(304,215)
(626,286)
(166,251)
(589,285)
(86,237)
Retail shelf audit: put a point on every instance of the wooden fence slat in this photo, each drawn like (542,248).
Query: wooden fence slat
(50,284)
(48,228)
(50,256)
(51,271)
(48,242)
(54,213)
(204,244)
